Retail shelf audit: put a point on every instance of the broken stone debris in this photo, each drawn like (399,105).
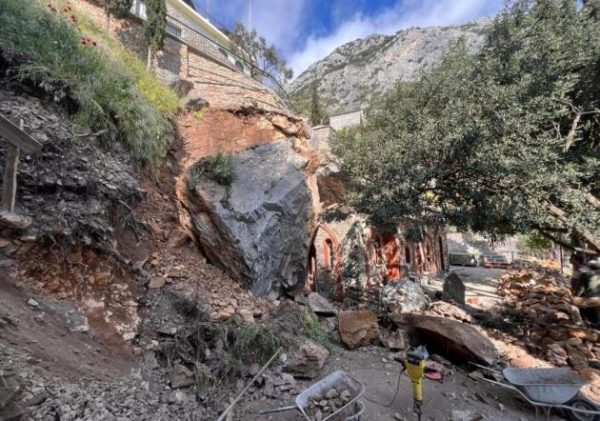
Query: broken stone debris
(464,415)
(555,328)
(325,404)
(308,361)
(358,328)
(181,376)
(394,339)
(454,288)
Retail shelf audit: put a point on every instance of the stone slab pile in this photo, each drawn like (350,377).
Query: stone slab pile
(553,326)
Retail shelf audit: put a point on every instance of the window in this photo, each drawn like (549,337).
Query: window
(239,65)
(407,258)
(328,254)
(173,29)
(138,8)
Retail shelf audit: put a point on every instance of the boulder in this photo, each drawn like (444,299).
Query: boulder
(358,328)
(449,311)
(285,125)
(258,227)
(394,339)
(457,341)
(318,304)
(181,376)
(454,288)
(404,296)
(308,361)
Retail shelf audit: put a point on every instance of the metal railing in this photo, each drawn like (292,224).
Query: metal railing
(266,79)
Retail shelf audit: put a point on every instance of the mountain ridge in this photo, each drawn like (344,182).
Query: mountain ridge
(357,71)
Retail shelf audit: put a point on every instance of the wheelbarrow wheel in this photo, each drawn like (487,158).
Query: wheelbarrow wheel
(580,403)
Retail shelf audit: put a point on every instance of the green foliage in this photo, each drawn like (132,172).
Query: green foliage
(318,115)
(218,168)
(265,57)
(112,91)
(118,8)
(500,142)
(155,26)
(313,329)
(535,242)
(255,343)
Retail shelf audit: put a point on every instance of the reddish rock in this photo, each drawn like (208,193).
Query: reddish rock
(308,361)
(358,328)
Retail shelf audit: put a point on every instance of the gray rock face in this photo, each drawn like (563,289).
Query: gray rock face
(404,296)
(258,228)
(355,72)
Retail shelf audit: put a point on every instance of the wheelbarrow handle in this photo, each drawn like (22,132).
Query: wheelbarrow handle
(275,410)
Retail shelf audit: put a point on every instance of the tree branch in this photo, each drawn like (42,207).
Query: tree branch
(561,215)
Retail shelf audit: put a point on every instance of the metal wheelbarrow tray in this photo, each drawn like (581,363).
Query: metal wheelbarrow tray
(546,385)
(548,388)
(339,380)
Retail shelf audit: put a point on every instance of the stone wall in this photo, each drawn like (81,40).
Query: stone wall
(351,119)
(192,58)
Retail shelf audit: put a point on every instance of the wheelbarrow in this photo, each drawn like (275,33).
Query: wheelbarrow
(351,411)
(548,388)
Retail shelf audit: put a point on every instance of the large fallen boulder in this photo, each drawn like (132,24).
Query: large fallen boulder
(457,341)
(257,227)
(404,296)
(358,328)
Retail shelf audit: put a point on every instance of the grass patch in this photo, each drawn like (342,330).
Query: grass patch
(313,329)
(255,343)
(218,168)
(111,86)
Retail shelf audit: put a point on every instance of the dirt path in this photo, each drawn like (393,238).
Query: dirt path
(373,367)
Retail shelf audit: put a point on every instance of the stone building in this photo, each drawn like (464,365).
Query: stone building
(351,259)
(197,58)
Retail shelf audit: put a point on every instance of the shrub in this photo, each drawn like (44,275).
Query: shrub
(110,85)
(218,168)
(313,329)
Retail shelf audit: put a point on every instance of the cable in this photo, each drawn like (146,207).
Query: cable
(375,401)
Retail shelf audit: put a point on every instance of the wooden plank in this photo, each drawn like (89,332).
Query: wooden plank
(9,185)
(17,137)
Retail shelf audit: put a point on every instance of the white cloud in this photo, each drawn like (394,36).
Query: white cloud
(405,14)
(277,20)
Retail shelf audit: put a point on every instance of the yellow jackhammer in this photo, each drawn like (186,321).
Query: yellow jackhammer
(416,367)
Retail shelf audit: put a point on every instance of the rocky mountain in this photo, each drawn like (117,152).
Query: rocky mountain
(355,72)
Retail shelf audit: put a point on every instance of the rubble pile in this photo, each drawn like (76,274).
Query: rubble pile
(553,326)
(321,406)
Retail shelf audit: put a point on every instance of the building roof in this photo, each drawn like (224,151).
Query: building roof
(184,7)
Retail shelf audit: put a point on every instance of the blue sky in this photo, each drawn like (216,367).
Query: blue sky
(305,31)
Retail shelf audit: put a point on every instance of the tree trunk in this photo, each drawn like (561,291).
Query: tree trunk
(149,60)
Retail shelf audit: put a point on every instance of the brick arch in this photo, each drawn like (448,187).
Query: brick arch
(338,258)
